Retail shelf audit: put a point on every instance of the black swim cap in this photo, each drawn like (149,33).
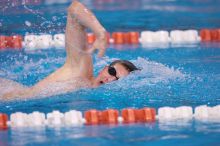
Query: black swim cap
(127,64)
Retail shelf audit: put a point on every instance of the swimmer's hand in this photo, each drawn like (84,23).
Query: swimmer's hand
(100,44)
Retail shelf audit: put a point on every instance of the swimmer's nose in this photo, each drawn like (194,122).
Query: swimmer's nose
(110,79)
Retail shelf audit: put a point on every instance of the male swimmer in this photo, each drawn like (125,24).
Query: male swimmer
(77,72)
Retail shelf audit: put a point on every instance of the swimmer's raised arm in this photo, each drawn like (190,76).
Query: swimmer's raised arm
(79,60)
(86,18)
(79,18)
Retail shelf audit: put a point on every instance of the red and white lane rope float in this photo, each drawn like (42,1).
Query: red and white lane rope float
(14,41)
(110,116)
(44,41)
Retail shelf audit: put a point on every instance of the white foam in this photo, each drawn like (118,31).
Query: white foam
(151,71)
(154,72)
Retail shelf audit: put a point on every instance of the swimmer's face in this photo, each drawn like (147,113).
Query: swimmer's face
(111,73)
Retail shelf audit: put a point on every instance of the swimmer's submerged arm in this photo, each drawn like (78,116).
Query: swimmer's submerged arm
(78,54)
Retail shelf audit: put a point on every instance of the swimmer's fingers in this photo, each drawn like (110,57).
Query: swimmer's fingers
(101,52)
(100,45)
(92,49)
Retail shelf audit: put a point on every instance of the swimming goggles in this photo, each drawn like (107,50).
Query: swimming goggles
(112,72)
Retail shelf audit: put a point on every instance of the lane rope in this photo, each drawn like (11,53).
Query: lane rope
(111,116)
(45,41)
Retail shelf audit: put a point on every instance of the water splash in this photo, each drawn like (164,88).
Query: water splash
(151,72)
(154,72)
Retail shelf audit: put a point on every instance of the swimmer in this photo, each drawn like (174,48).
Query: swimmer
(77,71)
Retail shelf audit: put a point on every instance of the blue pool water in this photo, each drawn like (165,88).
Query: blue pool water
(173,76)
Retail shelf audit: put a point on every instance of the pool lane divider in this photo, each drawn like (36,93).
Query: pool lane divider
(45,41)
(111,116)
(14,42)
(210,35)
(3,121)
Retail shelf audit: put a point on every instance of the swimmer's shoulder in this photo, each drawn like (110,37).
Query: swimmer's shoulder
(82,82)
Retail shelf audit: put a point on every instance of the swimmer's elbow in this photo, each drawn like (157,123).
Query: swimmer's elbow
(13,95)
(72,9)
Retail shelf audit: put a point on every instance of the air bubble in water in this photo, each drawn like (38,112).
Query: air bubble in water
(28,23)
(25,58)
(54,18)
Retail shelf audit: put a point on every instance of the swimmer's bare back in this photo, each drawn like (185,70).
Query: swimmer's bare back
(77,72)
